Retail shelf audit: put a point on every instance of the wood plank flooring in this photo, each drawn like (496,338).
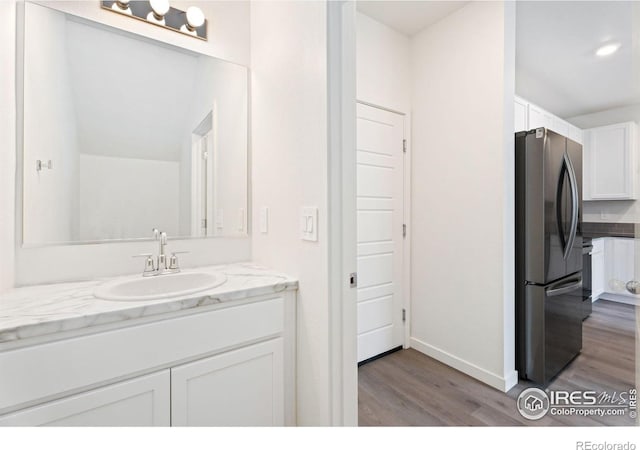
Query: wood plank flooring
(408,388)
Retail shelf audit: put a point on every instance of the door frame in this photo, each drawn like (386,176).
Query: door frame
(341,224)
(406,217)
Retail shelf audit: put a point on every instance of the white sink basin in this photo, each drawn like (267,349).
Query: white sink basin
(158,287)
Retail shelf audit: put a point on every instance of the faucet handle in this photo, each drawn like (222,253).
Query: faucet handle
(173,261)
(149,265)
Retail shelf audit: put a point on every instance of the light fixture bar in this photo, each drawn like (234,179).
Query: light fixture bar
(174,19)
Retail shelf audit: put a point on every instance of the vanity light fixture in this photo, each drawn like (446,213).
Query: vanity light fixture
(161,13)
(608,49)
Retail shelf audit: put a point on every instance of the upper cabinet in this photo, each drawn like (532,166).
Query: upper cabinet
(529,116)
(610,171)
(521,112)
(539,118)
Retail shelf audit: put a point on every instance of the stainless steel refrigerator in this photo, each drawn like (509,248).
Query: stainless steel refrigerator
(548,253)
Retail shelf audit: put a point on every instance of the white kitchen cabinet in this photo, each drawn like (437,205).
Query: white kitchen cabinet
(560,126)
(538,117)
(575,134)
(610,171)
(521,114)
(244,387)
(142,401)
(597,268)
(528,116)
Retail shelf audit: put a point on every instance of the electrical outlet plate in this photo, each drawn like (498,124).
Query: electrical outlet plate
(309,223)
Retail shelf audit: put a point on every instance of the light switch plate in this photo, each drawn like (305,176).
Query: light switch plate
(241,220)
(220,219)
(264,220)
(309,223)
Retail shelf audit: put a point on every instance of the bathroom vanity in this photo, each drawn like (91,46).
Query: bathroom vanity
(219,357)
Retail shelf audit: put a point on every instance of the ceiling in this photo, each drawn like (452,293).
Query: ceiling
(408,17)
(556,65)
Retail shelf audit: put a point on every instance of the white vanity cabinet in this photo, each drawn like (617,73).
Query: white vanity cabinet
(225,364)
(610,161)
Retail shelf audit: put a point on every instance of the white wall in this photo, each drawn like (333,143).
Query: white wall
(289,170)
(610,211)
(382,65)
(7,143)
(50,131)
(229,40)
(462,192)
(104,199)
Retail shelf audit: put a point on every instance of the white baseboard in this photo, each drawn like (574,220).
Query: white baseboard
(495,381)
(619,298)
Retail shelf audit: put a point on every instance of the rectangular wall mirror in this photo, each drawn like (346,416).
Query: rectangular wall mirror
(122,134)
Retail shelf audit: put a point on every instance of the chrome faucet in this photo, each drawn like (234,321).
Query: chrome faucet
(158,265)
(162,258)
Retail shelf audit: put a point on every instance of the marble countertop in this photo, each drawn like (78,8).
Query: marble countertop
(31,311)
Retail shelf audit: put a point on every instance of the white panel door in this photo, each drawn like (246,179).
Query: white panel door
(142,401)
(380,203)
(244,387)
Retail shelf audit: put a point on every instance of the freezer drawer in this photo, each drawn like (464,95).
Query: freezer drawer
(551,328)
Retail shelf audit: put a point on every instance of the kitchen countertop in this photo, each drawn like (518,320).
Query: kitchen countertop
(31,311)
(605,229)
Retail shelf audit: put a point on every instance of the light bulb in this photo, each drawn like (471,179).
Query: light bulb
(195,17)
(121,6)
(160,8)
(608,49)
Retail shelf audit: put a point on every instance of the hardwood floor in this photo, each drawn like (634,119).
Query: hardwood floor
(408,388)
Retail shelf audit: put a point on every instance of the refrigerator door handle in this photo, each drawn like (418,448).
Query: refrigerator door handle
(573,183)
(575,283)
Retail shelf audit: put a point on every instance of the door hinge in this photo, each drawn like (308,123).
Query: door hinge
(404,230)
(204,223)
(205,155)
(404,146)
(353,279)
(404,315)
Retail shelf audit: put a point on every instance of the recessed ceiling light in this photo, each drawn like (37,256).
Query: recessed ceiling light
(608,49)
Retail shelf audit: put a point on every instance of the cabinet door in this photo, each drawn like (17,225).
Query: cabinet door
(521,121)
(609,156)
(560,126)
(575,134)
(619,265)
(142,401)
(597,268)
(538,117)
(244,387)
